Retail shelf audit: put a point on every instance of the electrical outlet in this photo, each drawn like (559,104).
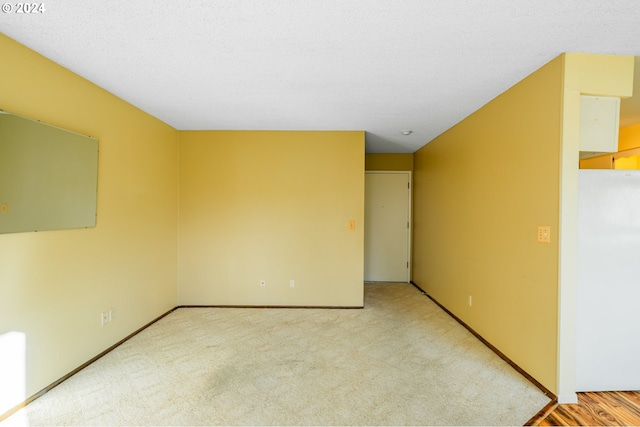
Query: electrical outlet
(104,318)
(292,283)
(544,234)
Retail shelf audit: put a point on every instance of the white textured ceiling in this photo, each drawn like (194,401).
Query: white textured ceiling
(381,66)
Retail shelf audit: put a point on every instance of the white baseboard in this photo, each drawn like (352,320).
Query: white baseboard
(567,398)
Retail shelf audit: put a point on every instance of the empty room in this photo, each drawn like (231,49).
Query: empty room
(319,213)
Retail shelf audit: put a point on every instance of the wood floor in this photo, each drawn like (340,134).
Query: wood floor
(620,408)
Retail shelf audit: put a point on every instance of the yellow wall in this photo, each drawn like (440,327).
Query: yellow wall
(629,137)
(389,162)
(613,161)
(272,206)
(480,191)
(55,284)
(597,162)
(627,163)
(628,145)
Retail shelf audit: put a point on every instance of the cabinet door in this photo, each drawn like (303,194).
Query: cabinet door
(599,123)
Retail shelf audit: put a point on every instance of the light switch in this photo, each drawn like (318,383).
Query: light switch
(352,225)
(544,234)
(4,208)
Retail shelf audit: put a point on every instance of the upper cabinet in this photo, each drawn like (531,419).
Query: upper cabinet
(599,123)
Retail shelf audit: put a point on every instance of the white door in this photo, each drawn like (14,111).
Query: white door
(386,226)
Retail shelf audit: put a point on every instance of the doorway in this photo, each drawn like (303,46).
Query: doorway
(387,229)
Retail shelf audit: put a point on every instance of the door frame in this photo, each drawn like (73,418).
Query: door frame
(409,219)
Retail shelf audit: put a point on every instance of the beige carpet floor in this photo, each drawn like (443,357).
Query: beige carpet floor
(399,361)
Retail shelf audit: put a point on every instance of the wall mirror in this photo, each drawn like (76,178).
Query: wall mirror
(48,176)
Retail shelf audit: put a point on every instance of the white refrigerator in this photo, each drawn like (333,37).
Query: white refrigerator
(608,306)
